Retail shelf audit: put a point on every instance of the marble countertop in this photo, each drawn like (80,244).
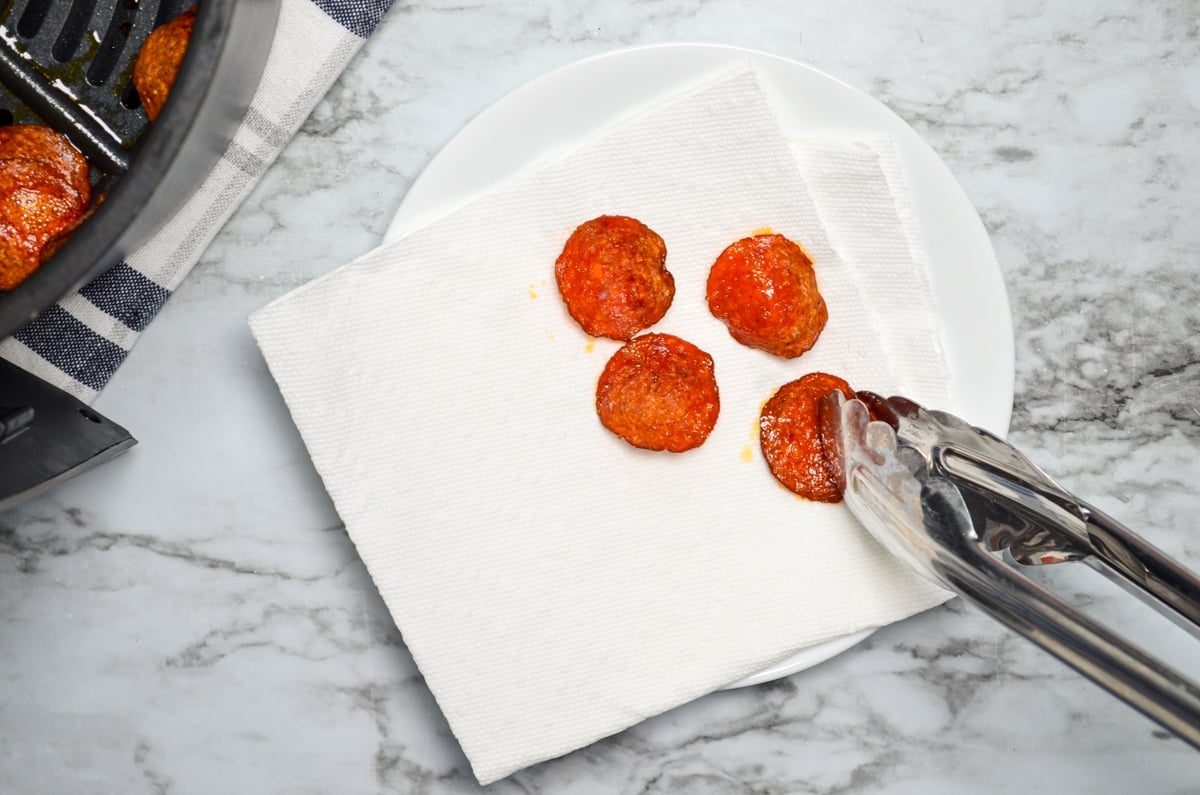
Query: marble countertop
(192,618)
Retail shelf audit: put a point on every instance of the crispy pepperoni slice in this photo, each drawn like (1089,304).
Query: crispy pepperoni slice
(158,61)
(765,290)
(50,147)
(36,204)
(60,238)
(659,392)
(791,440)
(613,278)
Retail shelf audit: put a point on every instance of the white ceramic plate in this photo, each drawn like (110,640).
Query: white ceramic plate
(555,112)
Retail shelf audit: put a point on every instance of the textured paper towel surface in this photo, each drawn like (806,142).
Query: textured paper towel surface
(554,584)
(863,205)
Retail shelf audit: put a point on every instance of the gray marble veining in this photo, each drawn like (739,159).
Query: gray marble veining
(191,618)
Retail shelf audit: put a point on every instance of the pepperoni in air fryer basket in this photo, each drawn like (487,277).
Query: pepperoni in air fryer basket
(69,66)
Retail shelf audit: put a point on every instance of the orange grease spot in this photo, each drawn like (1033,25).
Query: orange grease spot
(747,454)
(756,425)
(762,230)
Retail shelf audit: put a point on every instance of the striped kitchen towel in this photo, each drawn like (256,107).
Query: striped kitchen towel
(78,344)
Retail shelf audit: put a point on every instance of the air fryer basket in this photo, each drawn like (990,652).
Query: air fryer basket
(68,65)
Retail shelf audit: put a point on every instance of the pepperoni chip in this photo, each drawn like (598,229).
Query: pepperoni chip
(158,61)
(790,437)
(659,392)
(49,147)
(44,191)
(765,291)
(611,276)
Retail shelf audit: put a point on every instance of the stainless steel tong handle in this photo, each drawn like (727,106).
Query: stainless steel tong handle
(1144,682)
(1063,527)
(966,509)
(1143,570)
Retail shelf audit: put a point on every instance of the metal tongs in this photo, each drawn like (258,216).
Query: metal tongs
(964,508)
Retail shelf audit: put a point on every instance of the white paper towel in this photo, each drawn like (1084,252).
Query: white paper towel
(863,205)
(554,584)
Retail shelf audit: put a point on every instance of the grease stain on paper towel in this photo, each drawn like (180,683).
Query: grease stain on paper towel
(533,288)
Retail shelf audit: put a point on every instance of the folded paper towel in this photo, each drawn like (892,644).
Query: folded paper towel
(554,584)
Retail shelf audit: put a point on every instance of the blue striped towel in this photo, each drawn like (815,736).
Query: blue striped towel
(78,344)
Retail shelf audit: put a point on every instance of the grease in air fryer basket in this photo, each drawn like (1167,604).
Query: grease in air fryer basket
(45,181)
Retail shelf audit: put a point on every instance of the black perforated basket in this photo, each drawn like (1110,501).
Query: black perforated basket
(68,65)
